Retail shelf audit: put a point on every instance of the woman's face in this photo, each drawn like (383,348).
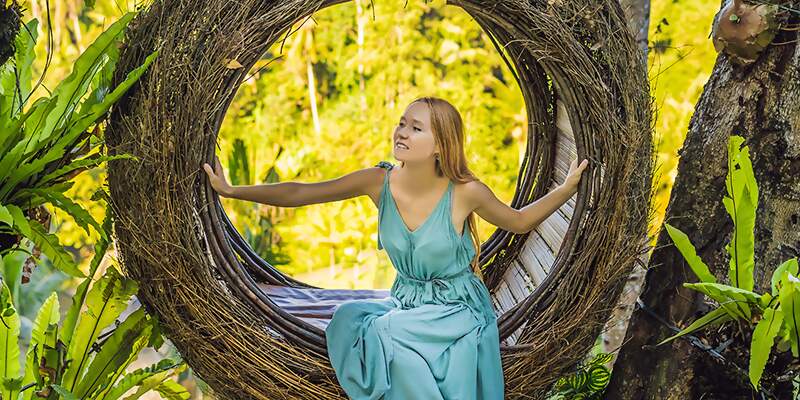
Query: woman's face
(413,139)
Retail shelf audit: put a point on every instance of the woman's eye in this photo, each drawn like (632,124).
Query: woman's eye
(418,129)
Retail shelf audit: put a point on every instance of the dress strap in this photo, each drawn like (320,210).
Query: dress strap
(382,198)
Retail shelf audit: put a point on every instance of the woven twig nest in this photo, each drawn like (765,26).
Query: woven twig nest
(585,85)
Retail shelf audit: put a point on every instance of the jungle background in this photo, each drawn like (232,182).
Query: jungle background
(323,102)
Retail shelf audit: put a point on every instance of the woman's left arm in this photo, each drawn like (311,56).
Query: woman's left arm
(499,214)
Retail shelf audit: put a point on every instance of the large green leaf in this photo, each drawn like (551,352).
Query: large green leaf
(83,163)
(12,94)
(761,344)
(788,265)
(9,346)
(75,130)
(79,298)
(47,318)
(5,216)
(689,253)
(741,203)
(80,214)
(115,354)
(70,90)
(741,248)
(46,242)
(64,393)
(737,301)
(107,298)
(135,378)
(790,306)
(154,381)
(714,317)
(171,390)
(12,159)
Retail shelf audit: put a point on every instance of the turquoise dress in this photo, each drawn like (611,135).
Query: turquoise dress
(436,336)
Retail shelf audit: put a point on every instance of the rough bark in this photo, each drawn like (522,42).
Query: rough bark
(761,103)
(10,21)
(638,15)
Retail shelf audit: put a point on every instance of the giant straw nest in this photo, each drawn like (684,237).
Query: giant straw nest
(252,332)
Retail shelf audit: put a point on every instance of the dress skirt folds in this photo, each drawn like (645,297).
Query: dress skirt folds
(436,336)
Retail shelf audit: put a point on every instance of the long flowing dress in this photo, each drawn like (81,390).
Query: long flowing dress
(436,336)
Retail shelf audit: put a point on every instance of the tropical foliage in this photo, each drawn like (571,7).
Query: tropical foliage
(776,314)
(85,354)
(45,144)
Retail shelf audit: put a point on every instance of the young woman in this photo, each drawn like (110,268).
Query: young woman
(436,336)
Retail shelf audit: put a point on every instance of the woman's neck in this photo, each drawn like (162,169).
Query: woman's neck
(419,178)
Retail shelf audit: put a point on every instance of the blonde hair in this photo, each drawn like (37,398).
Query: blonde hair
(448,133)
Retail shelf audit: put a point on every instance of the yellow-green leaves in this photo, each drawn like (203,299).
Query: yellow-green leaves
(689,253)
(45,241)
(789,266)
(107,298)
(46,320)
(741,203)
(715,317)
(790,304)
(761,344)
(10,380)
(734,300)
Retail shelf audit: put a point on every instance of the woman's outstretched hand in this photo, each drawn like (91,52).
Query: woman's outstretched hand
(574,174)
(217,178)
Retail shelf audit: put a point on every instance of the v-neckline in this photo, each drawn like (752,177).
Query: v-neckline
(430,215)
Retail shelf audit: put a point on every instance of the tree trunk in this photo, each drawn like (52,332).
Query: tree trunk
(760,102)
(638,15)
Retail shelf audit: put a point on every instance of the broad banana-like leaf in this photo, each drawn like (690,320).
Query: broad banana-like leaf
(107,298)
(135,378)
(788,265)
(10,378)
(741,248)
(116,353)
(761,344)
(714,317)
(47,318)
(790,305)
(689,253)
(737,301)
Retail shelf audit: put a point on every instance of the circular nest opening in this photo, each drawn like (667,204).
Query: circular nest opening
(231,314)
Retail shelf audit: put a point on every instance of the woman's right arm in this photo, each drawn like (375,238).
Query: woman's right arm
(295,194)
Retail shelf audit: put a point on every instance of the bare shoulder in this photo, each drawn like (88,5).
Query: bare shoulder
(474,193)
(371,180)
